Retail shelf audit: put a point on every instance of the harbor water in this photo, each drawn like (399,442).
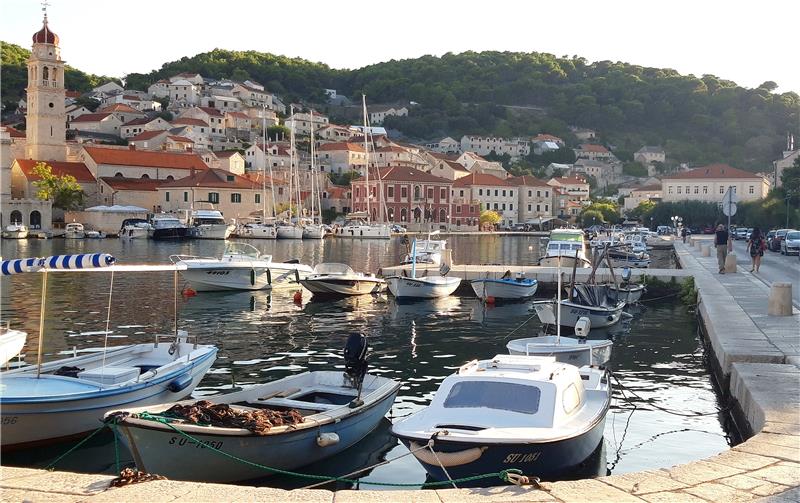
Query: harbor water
(666,412)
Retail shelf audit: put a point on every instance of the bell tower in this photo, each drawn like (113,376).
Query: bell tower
(46,122)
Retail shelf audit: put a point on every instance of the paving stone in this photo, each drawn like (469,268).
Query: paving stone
(55,482)
(672,497)
(712,491)
(755,486)
(790,496)
(780,439)
(776,451)
(24,495)
(787,474)
(511,494)
(742,460)
(768,489)
(156,491)
(643,482)
(784,428)
(418,496)
(701,471)
(589,490)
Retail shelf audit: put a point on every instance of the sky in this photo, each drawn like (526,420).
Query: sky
(746,42)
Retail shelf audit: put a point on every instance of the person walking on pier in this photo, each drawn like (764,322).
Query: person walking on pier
(683,234)
(721,243)
(756,245)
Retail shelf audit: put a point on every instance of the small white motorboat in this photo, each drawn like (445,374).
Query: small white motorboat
(257,230)
(323,412)
(427,251)
(11,343)
(425,287)
(575,351)
(602,315)
(95,235)
(340,279)
(566,246)
(74,230)
(630,293)
(241,267)
(507,288)
(15,231)
(357,225)
(528,413)
(134,228)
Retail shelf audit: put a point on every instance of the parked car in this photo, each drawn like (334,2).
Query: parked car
(708,229)
(398,229)
(770,235)
(791,243)
(775,244)
(741,233)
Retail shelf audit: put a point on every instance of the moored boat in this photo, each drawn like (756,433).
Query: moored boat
(427,251)
(11,343)
(568,246)
(165,226)
(629,292)
(601,315)
(207,224)
(507,288)
(289,231)
(327,412)
(425,287)
(510,412)
(15,231)
(340,279)
(134,228)
(74,230)
(575,351)
(241,267)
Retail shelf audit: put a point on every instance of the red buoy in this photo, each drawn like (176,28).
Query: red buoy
(188,292)
(490,300)
(298,296)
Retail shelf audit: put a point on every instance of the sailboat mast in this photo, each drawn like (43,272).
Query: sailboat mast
(264,170)
(312,167)
(366,151)
(558,304)
(291,158)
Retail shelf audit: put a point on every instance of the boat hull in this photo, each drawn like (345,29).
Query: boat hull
(211,231)
(567,262)
(134,233)
(342,286)
(570,313)
(74,235)
(170,233)
(289,232)
(16,234)
(11,343)
(217,278)
(364,232)
(630,295)
(421,288)
(313,232)
(503,289)
(37,422)
(169,453)
(547,460)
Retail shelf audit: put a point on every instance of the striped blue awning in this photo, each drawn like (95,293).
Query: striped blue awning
(80,261)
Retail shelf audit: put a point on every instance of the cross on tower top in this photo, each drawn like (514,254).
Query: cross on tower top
(45,5)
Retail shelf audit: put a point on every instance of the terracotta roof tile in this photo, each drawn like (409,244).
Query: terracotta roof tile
(138,122)
(187,121)
(570,180)
(591,147)
(238,115)
(712,171)
(145,158)
(456,166)
(352,147)
(76,169)
(547,137)
(528,181)
(145,135)
(213,177)
(120,107)
(481,179)
(181,139)
(211,111)
(122,183)
(14,133)
(97,117)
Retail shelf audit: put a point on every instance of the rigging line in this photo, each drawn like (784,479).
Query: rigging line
(520,325)
(108,319)
(381,463)
(663,409)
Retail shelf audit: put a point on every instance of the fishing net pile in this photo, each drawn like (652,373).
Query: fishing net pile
(130,476)
(222,415)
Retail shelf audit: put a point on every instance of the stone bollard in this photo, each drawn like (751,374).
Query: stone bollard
(780,300)
(690,240)
(699,243)
(730,263)
(705,250)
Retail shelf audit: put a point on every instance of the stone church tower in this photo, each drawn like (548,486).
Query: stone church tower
(46,119)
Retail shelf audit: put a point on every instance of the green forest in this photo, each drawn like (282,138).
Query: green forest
(696,119)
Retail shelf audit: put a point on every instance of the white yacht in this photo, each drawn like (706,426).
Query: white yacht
(357,226)
(313,231)
(15,231)
(340,279)
(569,245)
(207,224)
(74,230)
(289,230)
(257,230)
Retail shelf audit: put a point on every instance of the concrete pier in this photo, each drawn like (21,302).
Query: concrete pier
(756,357)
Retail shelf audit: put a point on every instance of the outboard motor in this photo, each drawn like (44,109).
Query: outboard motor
(582,327)
(626,274)
(355,363)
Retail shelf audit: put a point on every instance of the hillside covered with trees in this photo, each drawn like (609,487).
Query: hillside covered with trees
(14,62)
(696,119)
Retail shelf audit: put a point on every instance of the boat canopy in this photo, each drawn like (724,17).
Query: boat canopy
(333,268)
(239,248)
(566,235)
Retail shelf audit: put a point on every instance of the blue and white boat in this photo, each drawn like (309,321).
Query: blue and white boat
(507,288)
(338,409)
(67,397)
(524,412)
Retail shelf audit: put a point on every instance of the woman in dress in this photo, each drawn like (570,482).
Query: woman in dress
(756,246)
